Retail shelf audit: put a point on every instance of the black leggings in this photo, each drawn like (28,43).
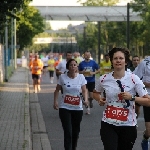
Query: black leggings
(51,73)
(117,137)
(70,120)
(146,111)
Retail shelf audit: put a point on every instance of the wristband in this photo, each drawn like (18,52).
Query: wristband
(133,98)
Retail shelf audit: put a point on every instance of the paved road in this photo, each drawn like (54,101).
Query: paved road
(89,135)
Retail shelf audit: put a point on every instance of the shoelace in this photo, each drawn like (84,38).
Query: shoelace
(122,90)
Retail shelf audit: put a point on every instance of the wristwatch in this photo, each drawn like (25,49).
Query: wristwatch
(133,98)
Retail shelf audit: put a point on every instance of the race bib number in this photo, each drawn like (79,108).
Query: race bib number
(117,113)
(72,100)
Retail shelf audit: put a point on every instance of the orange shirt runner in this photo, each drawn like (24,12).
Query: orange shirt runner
(36,66)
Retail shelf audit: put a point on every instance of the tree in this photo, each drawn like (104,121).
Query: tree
(98,2)
(143,6)
(9,7)
(30,23)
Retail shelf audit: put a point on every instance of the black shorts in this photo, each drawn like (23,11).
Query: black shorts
(90,86)
(146,111)
(36,76)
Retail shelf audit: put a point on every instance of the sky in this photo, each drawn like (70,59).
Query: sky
(63,24)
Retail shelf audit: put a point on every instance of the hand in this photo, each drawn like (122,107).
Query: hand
(92,73)
(102,101)
(55,106)
(86,103)
(126,95)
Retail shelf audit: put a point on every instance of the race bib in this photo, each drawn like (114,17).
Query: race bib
(116,114)
(72,100)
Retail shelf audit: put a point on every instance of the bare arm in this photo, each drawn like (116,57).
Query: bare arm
(85,94)
(56,94)
(97,97)
(144,101)
(97,71)
(58,72)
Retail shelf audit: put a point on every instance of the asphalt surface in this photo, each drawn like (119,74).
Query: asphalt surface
(90,126)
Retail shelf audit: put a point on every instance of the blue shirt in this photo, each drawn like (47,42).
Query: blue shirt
(89,66)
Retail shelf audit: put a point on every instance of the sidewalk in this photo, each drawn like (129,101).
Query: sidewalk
(14,112)
(21,122)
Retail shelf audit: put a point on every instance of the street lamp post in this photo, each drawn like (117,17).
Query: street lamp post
(84,37)
(15,46)
(12,40)
(128,25)
(6,52)
(99,50)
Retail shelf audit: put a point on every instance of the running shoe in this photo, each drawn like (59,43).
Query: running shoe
(88,111)
(39,89)
(35,91)
(145,144)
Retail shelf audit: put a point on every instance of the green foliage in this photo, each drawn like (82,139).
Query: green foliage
(30,23)
(9,7)
(98,2)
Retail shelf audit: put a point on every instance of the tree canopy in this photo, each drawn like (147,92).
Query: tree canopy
(98,2)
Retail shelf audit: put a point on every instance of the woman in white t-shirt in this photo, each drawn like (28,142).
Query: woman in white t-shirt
(70,108)
(118,125)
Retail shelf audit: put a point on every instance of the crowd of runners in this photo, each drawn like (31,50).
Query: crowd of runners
(123,86)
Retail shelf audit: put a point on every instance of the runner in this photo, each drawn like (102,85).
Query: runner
(143,71)
(76,57)
(51,68)
(45,63)
(70,109)
(61,68)
(36,67)
(105,65)
(135,62)
(89,68)
(118,126)
(56,64)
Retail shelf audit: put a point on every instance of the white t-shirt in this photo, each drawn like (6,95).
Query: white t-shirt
(116,112)
(71,91)
(143,71)
(62,66)
(45,60)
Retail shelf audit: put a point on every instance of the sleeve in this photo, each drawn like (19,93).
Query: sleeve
(60,80)
(139,70)
(139,86)
(98,86)
(84,82)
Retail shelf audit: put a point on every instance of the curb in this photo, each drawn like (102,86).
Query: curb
(27,130)
(39,136)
